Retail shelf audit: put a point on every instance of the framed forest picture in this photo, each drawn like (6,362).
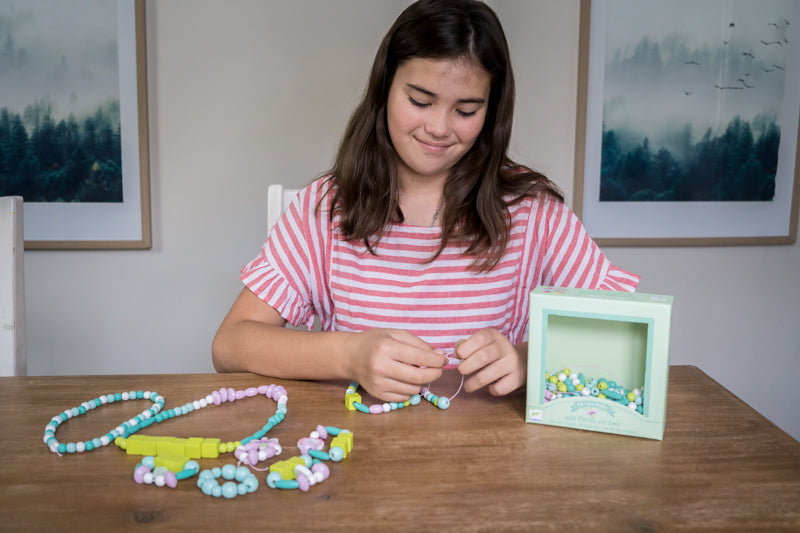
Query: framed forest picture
(73,121)
(687,128)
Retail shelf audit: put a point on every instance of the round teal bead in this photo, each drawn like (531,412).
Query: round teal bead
(229,490)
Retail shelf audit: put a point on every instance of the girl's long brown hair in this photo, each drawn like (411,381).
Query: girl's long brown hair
(366,196)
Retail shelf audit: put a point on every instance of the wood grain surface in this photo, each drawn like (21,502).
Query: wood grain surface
(474,467)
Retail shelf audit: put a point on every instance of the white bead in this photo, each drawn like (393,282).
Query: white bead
(562,377)
(314,435)
(54,446)
(68,412)
(146,395)
(80,446)
(300,469)
(104,440)
(632,405)
(148,478)
(125,396)
(50,427)
(586,391)
(637,392)
(209,399)
(159,481)
(204,402)
(103,400)
(386,407)
(318,477)
(86,405)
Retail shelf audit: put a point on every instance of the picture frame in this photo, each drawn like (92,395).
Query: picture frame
(656,218)
(122,221)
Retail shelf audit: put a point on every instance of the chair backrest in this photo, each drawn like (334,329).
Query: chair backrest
(278,199)
(12,288)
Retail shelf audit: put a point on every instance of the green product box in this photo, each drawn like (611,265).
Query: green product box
(618,339)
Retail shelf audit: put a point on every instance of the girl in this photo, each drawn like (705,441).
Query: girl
(420,247)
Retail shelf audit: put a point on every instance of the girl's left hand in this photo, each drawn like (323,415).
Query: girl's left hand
(488,358)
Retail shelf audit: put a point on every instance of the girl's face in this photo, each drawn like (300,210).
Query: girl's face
(435,111)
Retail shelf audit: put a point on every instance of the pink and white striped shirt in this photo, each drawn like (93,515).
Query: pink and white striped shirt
(307,269)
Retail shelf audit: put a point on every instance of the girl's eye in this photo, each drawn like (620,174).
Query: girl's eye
(466,113)
(417,104)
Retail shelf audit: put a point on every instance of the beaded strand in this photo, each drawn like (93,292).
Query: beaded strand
(154,414)
(145,417)
(306,470)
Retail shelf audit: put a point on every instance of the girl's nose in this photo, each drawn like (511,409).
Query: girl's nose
(437,124)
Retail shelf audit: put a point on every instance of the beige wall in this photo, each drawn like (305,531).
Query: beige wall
(250,92)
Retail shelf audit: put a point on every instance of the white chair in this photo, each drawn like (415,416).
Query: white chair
(278,199)
(12,289)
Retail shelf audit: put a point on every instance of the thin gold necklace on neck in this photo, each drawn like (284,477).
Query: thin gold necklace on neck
(438,210)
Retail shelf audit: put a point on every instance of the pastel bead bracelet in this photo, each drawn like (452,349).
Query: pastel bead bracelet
(148,473)
(239,481)
(306,470)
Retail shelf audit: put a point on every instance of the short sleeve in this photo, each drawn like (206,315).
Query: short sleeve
(573,259)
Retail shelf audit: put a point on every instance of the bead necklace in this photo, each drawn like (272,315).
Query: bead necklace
(121,433)
(352,400)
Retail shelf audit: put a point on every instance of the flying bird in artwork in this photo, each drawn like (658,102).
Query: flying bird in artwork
(765,43)
(687,93)
(744,83)
(748,54)
(728,87)
(779,67)
(692,62)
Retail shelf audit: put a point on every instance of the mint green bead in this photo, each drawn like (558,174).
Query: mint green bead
(287,484)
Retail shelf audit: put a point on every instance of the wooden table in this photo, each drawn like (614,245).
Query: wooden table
(474,467)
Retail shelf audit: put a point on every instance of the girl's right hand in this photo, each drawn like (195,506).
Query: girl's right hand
(393,364)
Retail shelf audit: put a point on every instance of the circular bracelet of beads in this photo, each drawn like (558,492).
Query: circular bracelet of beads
(257,450)
(566,383)
(147,473)
(239,481)
(130,426)
(306,470)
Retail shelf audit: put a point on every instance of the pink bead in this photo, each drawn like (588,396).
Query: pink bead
(171,479)
(239,394)
(304,484)
(322,432)
(231,394)
(321,467)
(271,390)
(252,457)
(223,395)
(279,391)
(250,392)
(376,409)
(217,398)
(262,389)
(138,474)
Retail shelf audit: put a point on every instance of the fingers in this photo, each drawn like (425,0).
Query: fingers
(490,360)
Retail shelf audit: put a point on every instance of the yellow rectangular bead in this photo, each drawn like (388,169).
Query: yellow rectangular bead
(210,448)
(350,398)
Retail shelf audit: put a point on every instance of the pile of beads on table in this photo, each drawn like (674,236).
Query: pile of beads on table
(566,383)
